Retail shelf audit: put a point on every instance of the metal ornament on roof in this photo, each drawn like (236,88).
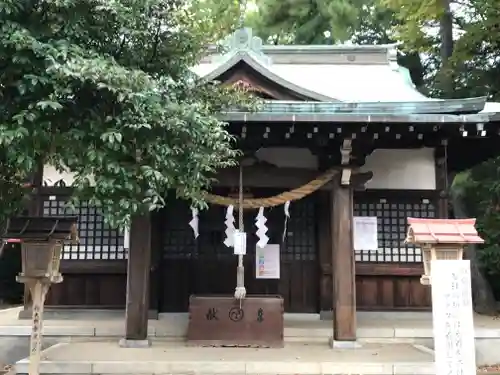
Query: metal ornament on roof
(242,41)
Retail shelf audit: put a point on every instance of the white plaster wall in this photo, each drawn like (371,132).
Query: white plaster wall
(392,169)
(402,169)
(51,176)
(279,156)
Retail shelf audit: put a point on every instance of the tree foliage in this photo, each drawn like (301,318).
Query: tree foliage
(104,88)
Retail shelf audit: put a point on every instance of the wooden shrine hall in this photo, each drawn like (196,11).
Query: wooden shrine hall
(348,111)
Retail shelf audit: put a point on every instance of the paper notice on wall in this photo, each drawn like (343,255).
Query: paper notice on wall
(267,262)
(365,233)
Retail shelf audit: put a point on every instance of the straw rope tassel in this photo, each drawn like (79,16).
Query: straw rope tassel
(240,291)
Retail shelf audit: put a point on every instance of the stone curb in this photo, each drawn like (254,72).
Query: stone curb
(367,334)
(229,368)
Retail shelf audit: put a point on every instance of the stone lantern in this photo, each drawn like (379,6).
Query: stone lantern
(441,239)
(42,239)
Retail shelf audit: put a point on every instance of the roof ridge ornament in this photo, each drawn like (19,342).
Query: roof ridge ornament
(243,41)
(392,57)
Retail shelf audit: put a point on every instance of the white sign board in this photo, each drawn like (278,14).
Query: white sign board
(267,262)
(452,317)
(240,243)
(365,233)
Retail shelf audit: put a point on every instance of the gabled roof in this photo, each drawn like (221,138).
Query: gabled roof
(442,231)
(249,58)
(323,73)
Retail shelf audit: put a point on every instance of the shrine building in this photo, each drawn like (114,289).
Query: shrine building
(344,122)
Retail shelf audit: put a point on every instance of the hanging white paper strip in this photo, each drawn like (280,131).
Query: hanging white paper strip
(260,223)
(229,240)
(240,243)
(194,222)
(287,216)
(126,239)
(365,233)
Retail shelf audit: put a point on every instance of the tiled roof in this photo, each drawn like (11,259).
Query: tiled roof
(442,231)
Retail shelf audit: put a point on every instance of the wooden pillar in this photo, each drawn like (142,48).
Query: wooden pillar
(155,276)
(138,279)
(442,183)
(325,253)
(344,278)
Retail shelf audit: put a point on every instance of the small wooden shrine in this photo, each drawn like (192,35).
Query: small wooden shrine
(343,135)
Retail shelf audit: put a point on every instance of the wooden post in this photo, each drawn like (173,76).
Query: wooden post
(138,277)
(442,182)
(35,208)
(344,278)
(38,288)
(325,254)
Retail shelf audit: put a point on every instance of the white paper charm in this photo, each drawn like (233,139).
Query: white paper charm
(287,216)
(229,240)
(260,223)
(240,242)
(194,222)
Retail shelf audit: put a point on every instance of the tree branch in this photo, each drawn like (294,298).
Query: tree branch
(156,42)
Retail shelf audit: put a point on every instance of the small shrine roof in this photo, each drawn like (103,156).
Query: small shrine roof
(442,231)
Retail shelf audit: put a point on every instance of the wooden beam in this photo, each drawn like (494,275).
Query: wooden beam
(343,271)
(138,278)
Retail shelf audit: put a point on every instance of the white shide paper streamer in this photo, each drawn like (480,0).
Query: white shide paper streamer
(260,223)
(229,240)
(194,222)
(287,216)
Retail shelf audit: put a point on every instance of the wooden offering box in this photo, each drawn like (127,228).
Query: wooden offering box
(219,321)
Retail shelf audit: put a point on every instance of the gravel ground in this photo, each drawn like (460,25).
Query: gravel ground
(490,369)
(13,349)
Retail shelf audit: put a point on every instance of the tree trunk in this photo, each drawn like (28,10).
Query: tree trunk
(446,34)
(482,295)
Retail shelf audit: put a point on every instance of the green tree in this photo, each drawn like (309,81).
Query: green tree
(104,88)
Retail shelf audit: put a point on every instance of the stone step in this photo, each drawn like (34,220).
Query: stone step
(106,358)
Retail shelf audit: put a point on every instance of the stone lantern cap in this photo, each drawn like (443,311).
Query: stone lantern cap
(442,231)
(36,228)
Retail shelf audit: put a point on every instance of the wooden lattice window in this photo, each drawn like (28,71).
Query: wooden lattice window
(391,216)
(97,240)
(300,241)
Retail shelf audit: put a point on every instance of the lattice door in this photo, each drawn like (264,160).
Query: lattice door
(300,242)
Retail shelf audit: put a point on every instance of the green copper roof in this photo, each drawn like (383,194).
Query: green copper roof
(450,106)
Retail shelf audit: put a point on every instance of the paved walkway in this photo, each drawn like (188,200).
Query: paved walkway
(176,358)
(370,325)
